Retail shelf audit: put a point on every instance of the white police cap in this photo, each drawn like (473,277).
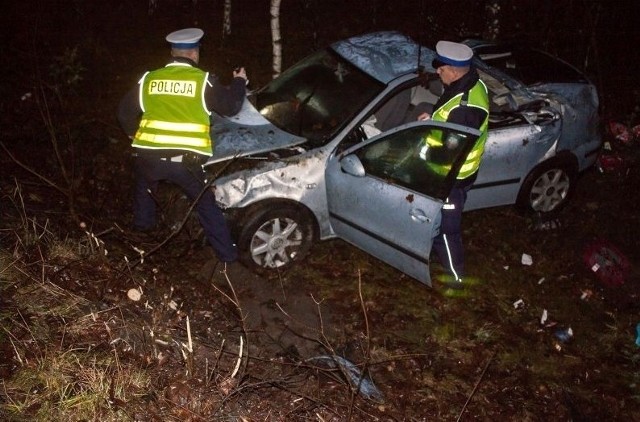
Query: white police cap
(185,38)
(452,54)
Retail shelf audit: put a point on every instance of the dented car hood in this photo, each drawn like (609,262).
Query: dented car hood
(246,133)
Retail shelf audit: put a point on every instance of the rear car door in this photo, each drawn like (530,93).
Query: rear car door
(385,195)
(522,129)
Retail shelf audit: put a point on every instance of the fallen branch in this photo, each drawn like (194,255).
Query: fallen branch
(475,388)
(52,184)
(206,186)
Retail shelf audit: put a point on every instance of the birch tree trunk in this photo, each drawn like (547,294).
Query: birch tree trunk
(226,19)
(275,37)
(492,10)
(152,6)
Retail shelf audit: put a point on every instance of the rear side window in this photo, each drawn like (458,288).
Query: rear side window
(529,66)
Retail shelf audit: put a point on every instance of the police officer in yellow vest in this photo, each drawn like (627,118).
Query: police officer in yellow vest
(167,116)
(464,101)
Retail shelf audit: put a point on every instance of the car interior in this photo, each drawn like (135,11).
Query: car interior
(505,108)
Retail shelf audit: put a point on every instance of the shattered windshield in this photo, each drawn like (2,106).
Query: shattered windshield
(316,97)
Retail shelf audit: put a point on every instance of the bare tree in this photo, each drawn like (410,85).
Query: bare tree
(153,4)
(226,20)
(275,37)
(492,10)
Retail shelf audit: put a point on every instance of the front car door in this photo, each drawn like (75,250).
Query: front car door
(385,195)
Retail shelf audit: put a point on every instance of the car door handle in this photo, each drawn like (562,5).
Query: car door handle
(419,216)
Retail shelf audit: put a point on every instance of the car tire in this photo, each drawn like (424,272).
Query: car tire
(548,186)
(274,236)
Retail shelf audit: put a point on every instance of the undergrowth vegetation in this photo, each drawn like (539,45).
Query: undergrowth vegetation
(91,331)
(101,324)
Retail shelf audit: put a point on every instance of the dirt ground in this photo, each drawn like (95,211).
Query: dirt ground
(204,342)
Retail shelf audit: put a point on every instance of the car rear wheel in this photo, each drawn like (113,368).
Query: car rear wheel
(548,187)
(275,236)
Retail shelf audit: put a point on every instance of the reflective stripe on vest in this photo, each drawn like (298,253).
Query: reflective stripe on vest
(159,141)
(174,110)
(477,97)
(179,127)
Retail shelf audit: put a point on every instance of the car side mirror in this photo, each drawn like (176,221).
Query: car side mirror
(352,165)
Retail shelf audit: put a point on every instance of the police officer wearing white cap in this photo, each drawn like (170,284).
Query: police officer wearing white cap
(168,117)
(464,101)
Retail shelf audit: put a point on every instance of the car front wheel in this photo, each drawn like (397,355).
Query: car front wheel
(548,187)
(275,236)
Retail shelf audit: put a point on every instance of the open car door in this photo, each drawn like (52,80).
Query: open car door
(385,195)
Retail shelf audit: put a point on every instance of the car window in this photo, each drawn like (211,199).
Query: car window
(316,97)
(529,66)
(403,106)
(405,158)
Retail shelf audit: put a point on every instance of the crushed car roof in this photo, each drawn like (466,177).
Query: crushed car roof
(384,55)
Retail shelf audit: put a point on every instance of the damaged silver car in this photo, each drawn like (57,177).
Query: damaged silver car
(331,148)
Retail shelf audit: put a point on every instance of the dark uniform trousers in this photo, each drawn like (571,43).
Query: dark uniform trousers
(150,170)
(448,244)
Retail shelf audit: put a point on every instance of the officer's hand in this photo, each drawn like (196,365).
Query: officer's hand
(424,116)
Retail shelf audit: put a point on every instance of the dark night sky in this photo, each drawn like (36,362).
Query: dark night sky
(117,39)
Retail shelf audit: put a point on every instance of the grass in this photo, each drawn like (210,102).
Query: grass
(73,385)
(51,381)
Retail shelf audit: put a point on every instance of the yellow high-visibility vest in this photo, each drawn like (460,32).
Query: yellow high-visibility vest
(175,114)
(477,97)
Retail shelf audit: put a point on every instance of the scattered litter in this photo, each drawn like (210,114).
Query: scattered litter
(518,304)
(506,267)
(541,281)
(638,334)
(609,162)
(623,133)
(134,294)
(620,132)
(612,158)
(547,225)
(544,317)
(542,222)
(607,262)
(25,96)
(526,259)
(564,334)
(586,294)
(356,379)
(545,321)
